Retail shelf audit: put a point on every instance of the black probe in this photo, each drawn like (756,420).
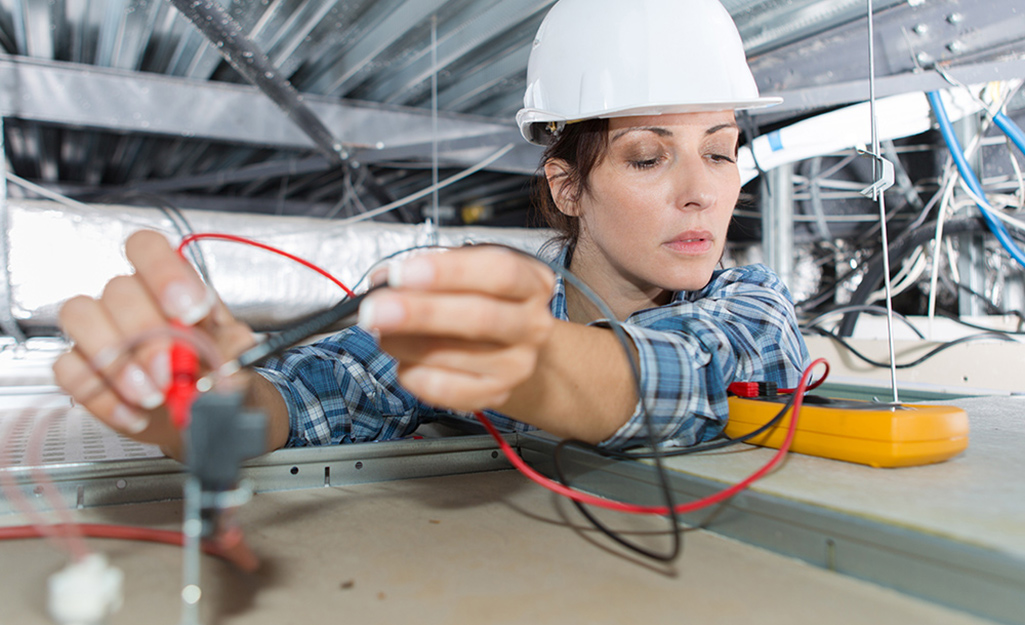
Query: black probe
(299,331)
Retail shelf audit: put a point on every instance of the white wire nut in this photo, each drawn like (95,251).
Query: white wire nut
(86,592)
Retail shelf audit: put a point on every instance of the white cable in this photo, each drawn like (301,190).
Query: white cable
(951,178)
(53,195)
(999,214)
(1004,201)
(910,271)
(948,189)
(419,194)
(955,273)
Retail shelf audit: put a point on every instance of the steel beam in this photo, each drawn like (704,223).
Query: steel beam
(836,94)
(69,94)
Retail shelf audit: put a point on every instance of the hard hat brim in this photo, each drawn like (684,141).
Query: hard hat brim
(531,121)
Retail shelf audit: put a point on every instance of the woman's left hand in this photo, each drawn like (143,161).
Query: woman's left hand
(467,326)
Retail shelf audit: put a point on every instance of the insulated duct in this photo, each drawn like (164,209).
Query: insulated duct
(897,116)
(61,250)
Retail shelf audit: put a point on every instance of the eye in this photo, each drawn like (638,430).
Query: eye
(646,163)
(722,158)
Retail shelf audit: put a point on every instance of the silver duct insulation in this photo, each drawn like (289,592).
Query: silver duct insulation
(58,251)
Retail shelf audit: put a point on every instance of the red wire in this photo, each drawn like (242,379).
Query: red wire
(811,387)
(226,546)
(263,246)
(619,506)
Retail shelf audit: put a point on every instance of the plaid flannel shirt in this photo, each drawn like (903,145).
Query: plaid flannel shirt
(739,327)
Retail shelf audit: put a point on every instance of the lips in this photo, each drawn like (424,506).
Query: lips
(691,242)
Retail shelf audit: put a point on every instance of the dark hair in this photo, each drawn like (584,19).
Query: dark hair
(581,145)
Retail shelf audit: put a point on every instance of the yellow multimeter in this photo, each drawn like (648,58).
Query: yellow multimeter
(872,433)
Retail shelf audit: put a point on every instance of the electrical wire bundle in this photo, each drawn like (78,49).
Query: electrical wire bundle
(912,245)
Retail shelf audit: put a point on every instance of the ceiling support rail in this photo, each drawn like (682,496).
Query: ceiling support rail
(211,19)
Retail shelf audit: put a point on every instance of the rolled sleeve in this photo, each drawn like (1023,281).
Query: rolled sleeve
(681,390)
(343,389)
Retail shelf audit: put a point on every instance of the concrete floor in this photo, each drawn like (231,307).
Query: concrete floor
(477,548)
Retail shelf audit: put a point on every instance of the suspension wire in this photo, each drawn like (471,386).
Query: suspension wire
(436,209)
(879,195)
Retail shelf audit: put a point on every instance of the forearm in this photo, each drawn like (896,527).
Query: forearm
(582,386)
(264,396)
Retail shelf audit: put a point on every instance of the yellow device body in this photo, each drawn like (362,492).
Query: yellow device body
(879,435)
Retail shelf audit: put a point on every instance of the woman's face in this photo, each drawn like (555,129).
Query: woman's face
(659,204)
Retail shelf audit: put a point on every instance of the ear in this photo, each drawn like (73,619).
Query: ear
(564,191)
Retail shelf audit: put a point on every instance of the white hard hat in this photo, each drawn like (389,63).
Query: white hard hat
(612,58)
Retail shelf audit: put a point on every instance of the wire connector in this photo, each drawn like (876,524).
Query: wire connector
(753,389)
(85,592)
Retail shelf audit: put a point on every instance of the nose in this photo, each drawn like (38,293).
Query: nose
(693,184)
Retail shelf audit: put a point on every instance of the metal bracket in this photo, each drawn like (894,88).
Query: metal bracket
(885,179)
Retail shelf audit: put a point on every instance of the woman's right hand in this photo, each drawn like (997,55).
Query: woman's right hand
(125,390)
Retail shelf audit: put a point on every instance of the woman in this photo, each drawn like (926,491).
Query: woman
(635,102)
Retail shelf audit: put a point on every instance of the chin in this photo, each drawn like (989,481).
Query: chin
(693,277)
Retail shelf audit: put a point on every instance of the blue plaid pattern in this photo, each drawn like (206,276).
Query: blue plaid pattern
(740,327)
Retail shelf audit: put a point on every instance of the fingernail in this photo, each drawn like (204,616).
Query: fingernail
(160,369)
(187,302)
(379,276)
(414,272)
(127,420)
(377,313)
(140,388)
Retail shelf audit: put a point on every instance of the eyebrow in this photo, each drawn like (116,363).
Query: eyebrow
(665,132)
(718,127)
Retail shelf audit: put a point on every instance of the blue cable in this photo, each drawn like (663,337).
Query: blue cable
(1010,129)
(947,130)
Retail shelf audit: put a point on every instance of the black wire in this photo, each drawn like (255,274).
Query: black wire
(655,453)
(936,350)
(695,449)
(967,324)
(383,259)
(992,305)
(867,308)
(301,330)
(178,221)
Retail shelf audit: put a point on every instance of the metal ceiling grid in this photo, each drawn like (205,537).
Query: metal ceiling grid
(128,94)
